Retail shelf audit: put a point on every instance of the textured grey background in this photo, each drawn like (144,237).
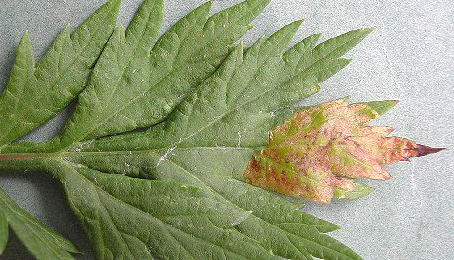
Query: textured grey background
(409,57)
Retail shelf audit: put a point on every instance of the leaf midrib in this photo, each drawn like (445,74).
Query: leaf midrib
(10,156)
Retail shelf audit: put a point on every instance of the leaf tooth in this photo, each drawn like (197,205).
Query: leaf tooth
(255,7)
(55,80)
(381,107)
(339,45)
(22,75)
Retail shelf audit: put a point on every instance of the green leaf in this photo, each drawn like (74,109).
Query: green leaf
(321,245)
(4,232)
(229,116)
(37,92)
(174,189)
(238,100)
(40,240)
(325,59)
(142,89)
(175,221)
(236,106)
(207,141)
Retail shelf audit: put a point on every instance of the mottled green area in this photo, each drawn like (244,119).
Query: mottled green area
(317,154)
(176,189)
(380,107)
(360,190)
(307,153)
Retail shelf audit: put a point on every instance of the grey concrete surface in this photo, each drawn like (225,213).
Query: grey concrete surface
(410,57)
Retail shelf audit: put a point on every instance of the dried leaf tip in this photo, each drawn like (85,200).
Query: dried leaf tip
(425,150)
(317,154)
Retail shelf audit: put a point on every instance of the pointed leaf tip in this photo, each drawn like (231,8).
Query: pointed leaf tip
(298,22)
(424,150)
(115,4)
(207,5)
(25,38)
(402,149)
(381,107)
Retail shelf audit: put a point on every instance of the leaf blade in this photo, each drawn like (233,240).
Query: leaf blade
(226,105)
(21,74)
(40,240)
(175,215)
(200,47)
(57,78)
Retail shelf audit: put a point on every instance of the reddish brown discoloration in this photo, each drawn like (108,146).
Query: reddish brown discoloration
(310,155)
(425,150)
(13,156)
